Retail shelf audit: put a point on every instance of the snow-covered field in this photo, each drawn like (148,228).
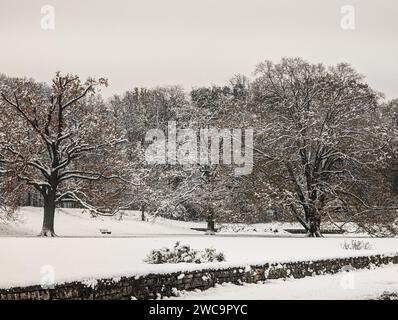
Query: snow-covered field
(76,222)
(25,260)
(361,284)
(79,223)
(22,259)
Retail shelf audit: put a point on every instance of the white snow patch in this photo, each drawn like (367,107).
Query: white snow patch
(90,283)
(362,284)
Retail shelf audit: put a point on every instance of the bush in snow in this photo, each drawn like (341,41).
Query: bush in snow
(183,253)
(238,227)
(356,245)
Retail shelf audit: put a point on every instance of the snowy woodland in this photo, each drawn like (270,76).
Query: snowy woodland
(325,149)
(198,150)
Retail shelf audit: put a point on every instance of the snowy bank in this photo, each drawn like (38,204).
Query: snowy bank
(23,259)
(159,285)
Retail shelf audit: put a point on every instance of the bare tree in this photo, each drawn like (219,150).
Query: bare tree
(317,132)
(62,143)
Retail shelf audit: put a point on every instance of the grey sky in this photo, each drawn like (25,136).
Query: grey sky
(192,43)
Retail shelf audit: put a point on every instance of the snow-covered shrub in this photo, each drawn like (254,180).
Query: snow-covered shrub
(9,214)
(384,229)
(389,296)
(236,227)
(183,253)
(356,245)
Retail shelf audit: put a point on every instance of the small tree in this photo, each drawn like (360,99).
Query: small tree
(62,142)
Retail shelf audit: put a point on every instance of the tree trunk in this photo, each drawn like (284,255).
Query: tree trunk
(315,224)
(210,225)
(29,201)
(303,221)
(143,212)
(48,219)
(210,222)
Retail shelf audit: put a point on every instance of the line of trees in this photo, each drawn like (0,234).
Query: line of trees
(325,148)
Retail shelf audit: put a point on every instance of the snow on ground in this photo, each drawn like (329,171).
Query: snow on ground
(77,222)
(23,259)
(13,229)
(71,257)
(360,284)
(278,228)
(275,228)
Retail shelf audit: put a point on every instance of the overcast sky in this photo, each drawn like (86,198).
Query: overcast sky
(192,43)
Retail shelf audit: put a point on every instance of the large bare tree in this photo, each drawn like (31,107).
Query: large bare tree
(317,134)
(61,140)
